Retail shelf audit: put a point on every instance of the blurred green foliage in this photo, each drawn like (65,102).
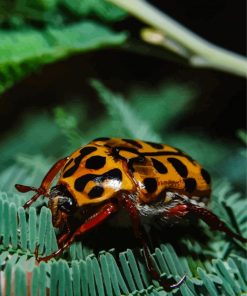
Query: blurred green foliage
(24,51)
(57,12)
(35,33)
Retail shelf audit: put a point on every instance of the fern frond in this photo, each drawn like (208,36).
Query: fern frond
(123,115)
(161,106)
(94,276)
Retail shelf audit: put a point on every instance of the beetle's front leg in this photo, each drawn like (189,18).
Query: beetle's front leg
(45,184)
(67,239)
(129,205)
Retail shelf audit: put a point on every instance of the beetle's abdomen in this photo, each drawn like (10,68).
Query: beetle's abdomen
(171,172)
(158,168)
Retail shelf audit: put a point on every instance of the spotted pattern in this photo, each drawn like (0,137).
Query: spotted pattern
(135,160)
(96,191)
(190,184)
(81,182)
(206,176)
(95,162)
(159,166)
(155,145)
(180,168)
(133,142)
(83,152)
(156,168)
(150,185)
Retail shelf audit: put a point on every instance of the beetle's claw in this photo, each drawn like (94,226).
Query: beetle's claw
(169,287)
(36,252)
(179,283)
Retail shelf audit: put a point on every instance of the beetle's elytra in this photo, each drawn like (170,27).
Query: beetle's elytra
(154,183)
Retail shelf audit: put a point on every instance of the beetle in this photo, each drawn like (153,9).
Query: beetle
(154,183)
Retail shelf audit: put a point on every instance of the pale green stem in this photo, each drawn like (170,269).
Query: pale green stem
(202,52)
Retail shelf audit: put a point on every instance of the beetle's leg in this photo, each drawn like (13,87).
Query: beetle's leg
(92,222)
(213,221)
(136,224)
(63,237)
(44,186)
(204,214)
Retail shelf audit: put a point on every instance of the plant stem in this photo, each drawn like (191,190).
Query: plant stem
(202,52)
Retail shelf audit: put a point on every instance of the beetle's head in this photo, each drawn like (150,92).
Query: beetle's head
(61,204)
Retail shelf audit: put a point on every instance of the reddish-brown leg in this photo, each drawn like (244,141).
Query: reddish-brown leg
(44,186)
(208,217)
(66,241)
(63,237)
(136,224)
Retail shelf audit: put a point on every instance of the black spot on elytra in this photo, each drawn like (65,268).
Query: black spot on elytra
(115,152)
(81,182)
(206,176)
(190,184)
(133,142)
(95,162)
(114,174)
(87,150)
(83,152)
(178,166)
(96,191)
(155,145)
(150,185)
(159,166)
(182,153)
(102,139)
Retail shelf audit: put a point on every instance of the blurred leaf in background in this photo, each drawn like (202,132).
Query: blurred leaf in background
(25,47)
(131,96)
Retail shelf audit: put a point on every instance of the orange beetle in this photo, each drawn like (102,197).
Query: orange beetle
(154,183)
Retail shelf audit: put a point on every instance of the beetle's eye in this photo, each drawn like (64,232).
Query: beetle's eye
(65,201)
(66,204)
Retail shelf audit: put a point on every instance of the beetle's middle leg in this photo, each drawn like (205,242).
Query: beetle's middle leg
(45,184)
(128,204)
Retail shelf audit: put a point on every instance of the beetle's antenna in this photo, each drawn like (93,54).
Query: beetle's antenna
(25,188)
(39,191)
(45,184)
